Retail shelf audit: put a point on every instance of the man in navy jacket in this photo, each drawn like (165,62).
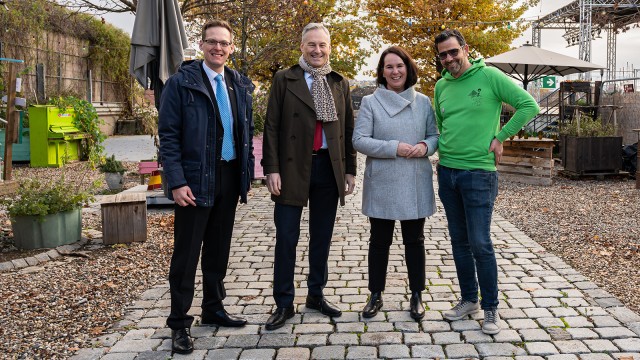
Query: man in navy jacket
(206,130)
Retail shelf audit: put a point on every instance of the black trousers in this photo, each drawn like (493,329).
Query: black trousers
(209,228)
(323,204)
(379,244)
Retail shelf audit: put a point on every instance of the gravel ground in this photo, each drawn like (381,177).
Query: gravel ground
(51,311)
(592,225)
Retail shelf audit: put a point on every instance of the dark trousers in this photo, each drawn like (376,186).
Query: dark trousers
(210,228)
(323,204)
(379,243)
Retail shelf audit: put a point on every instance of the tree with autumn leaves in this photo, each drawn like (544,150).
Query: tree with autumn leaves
(489,26)
(268,31)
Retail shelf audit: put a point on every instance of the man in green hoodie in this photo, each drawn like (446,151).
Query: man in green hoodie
(468,101)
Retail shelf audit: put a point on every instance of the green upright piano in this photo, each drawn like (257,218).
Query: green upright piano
(54,137)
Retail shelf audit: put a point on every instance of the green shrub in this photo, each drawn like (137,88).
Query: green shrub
(589,127)
(260,101)
(37,198)
(148,116)
(111,165)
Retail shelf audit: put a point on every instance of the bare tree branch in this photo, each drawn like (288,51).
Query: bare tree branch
(100,7)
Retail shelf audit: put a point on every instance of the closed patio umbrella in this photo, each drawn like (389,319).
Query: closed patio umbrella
(528,63)
(157,43)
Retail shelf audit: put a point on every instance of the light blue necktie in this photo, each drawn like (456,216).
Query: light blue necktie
(228,152)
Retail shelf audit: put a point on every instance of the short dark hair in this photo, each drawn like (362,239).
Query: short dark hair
(412,68)
(217,23)
(445,35)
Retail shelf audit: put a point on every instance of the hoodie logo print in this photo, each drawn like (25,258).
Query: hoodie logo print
(475,96)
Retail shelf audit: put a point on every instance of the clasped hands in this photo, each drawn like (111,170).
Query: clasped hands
(274,183)
(412,151)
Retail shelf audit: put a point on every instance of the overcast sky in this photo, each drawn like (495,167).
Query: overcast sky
(627,50)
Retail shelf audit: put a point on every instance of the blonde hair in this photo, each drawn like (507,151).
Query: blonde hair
(216,23)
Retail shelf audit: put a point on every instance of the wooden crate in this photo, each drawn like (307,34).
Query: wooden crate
(124,218)
(584,155)
(528,161)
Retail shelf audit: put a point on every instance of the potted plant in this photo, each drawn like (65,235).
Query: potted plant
(587,145)
(113,172)
(46,214)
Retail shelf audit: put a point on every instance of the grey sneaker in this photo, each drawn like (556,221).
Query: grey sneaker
(491,324)
(461,310)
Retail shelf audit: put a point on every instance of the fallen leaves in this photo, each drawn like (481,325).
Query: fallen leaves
(71,301)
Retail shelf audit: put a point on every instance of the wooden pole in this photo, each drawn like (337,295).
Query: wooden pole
(577,120)
(12,123)
(637,131)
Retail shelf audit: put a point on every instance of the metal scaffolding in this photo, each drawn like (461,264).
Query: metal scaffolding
(611,51)
(586,7)
(584,20)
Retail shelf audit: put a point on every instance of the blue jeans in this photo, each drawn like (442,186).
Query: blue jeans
(468,197)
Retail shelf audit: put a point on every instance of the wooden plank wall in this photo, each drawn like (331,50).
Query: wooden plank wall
(528,161)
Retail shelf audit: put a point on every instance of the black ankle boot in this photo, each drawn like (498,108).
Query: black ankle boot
(373,306)
(417,309)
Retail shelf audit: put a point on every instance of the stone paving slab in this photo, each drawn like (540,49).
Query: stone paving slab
(548,310)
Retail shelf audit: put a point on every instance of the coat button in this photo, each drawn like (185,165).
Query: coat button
(293,137)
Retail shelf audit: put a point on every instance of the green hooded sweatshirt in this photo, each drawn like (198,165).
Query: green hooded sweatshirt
(468,115)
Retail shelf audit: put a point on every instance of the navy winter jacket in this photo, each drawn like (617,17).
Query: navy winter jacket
(187,131)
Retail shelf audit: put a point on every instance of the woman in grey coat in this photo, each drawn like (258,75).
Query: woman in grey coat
(396,130)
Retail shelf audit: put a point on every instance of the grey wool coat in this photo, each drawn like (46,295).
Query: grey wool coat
(395,187)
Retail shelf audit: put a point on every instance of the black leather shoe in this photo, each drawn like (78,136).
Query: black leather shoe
(373,306)
(417,309)
(181,342)
(222,318)
(323,305)
(279,318)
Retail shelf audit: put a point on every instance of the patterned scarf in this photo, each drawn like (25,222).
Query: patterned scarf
(320,91)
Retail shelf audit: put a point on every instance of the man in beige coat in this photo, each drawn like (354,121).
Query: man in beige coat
(308,158)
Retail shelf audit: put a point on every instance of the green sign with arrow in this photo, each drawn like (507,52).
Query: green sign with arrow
(549,82)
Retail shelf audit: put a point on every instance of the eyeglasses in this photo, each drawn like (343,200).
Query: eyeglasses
(453,53)
(213,42)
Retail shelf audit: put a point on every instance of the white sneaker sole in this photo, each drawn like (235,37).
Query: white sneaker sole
(454,318)
(490,332)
